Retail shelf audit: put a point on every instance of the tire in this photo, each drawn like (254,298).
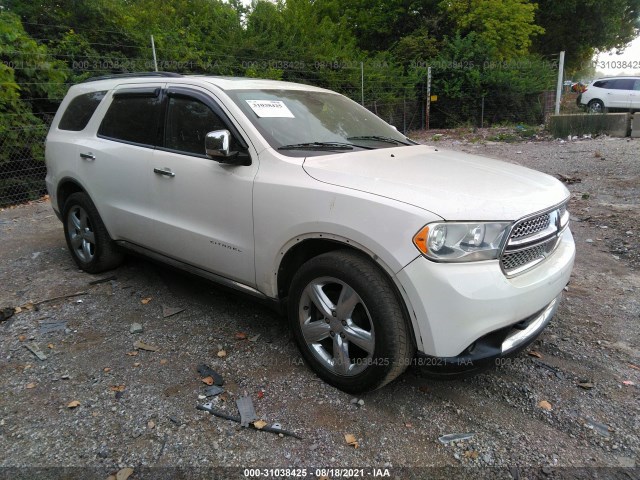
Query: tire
(348,323)
(87,238)
(596,106)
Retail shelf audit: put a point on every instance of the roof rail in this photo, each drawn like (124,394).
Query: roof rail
(132,75)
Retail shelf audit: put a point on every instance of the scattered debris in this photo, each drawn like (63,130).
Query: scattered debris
(275,428)
(586,385)
(151,424)
(207,371)
(247,411)
(117,388)
(208,380)
(6,314)
(31,385)
(598,154)
(136,328)
(73,404)
(138,345)
(124,473)
(144,301)
(222,353)
(536,354)
(213,390)
(568,180)
(169,311)
(103,280)
(106,369)
(455,437)
(259,424)
(260,394)
(599,428)
(52,326)
(545,405)
(164,361)
(351,440)
(53,299)
(628,382)
(254,338)
(241,336)
(35,349)
(132,354)
(361,402)
(472,454)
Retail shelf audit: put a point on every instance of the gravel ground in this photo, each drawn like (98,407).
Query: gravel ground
(136,408)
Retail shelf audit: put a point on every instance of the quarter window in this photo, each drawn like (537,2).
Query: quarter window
(133,116)
(80,110)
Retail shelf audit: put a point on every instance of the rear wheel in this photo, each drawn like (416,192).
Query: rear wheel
(87,238)
(596,106)
(348,322)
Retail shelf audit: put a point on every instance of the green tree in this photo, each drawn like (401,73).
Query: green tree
(582,28)
(505,27)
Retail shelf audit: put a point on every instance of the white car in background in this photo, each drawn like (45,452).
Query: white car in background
(377,247)
(615,93)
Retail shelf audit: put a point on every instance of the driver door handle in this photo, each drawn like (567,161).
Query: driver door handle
(164,171)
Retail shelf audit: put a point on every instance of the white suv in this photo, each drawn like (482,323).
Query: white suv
(385,253)
(616,93)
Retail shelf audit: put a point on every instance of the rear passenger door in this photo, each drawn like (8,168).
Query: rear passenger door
(114,164)
(202,209)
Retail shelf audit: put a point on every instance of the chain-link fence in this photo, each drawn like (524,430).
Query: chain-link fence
(408,102)
(22,167)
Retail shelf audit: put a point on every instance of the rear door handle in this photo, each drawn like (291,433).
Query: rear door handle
(88,156)
(164,171)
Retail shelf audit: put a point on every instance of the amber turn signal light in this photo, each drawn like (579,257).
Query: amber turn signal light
(420,239)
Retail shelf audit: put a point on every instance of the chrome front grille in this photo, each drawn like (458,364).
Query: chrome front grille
(533,239)
(529,227)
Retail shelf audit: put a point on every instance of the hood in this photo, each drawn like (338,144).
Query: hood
(453,185)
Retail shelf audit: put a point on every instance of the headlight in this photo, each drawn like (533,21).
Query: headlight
(461,241)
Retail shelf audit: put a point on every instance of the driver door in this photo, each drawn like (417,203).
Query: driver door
(203,211)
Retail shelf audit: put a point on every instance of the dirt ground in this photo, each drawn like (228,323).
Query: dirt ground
(568,406)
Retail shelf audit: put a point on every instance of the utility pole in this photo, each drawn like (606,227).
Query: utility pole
(426,121)
(362,83)
(559,85)
(153,49)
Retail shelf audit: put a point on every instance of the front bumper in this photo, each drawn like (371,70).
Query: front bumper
(486,351)
(458,304)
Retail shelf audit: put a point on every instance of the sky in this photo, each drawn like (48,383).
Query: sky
(631,56)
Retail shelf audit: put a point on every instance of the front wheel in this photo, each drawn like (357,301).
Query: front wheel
(348,323)
(87,238)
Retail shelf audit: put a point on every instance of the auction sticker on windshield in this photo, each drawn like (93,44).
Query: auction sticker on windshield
(270,108)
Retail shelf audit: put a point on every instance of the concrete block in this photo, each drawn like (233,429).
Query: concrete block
(613,124)
(635,125)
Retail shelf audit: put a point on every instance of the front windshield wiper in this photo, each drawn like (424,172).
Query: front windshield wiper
(379,138)
(322,146)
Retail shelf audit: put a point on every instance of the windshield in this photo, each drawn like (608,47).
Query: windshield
(303,123)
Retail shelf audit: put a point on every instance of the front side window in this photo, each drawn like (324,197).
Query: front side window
(133,116)
(80,110)
(188,122)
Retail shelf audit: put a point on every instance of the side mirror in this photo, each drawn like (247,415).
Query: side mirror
(216,146)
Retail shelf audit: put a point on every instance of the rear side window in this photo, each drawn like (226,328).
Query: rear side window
(133,117)
(80,110)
